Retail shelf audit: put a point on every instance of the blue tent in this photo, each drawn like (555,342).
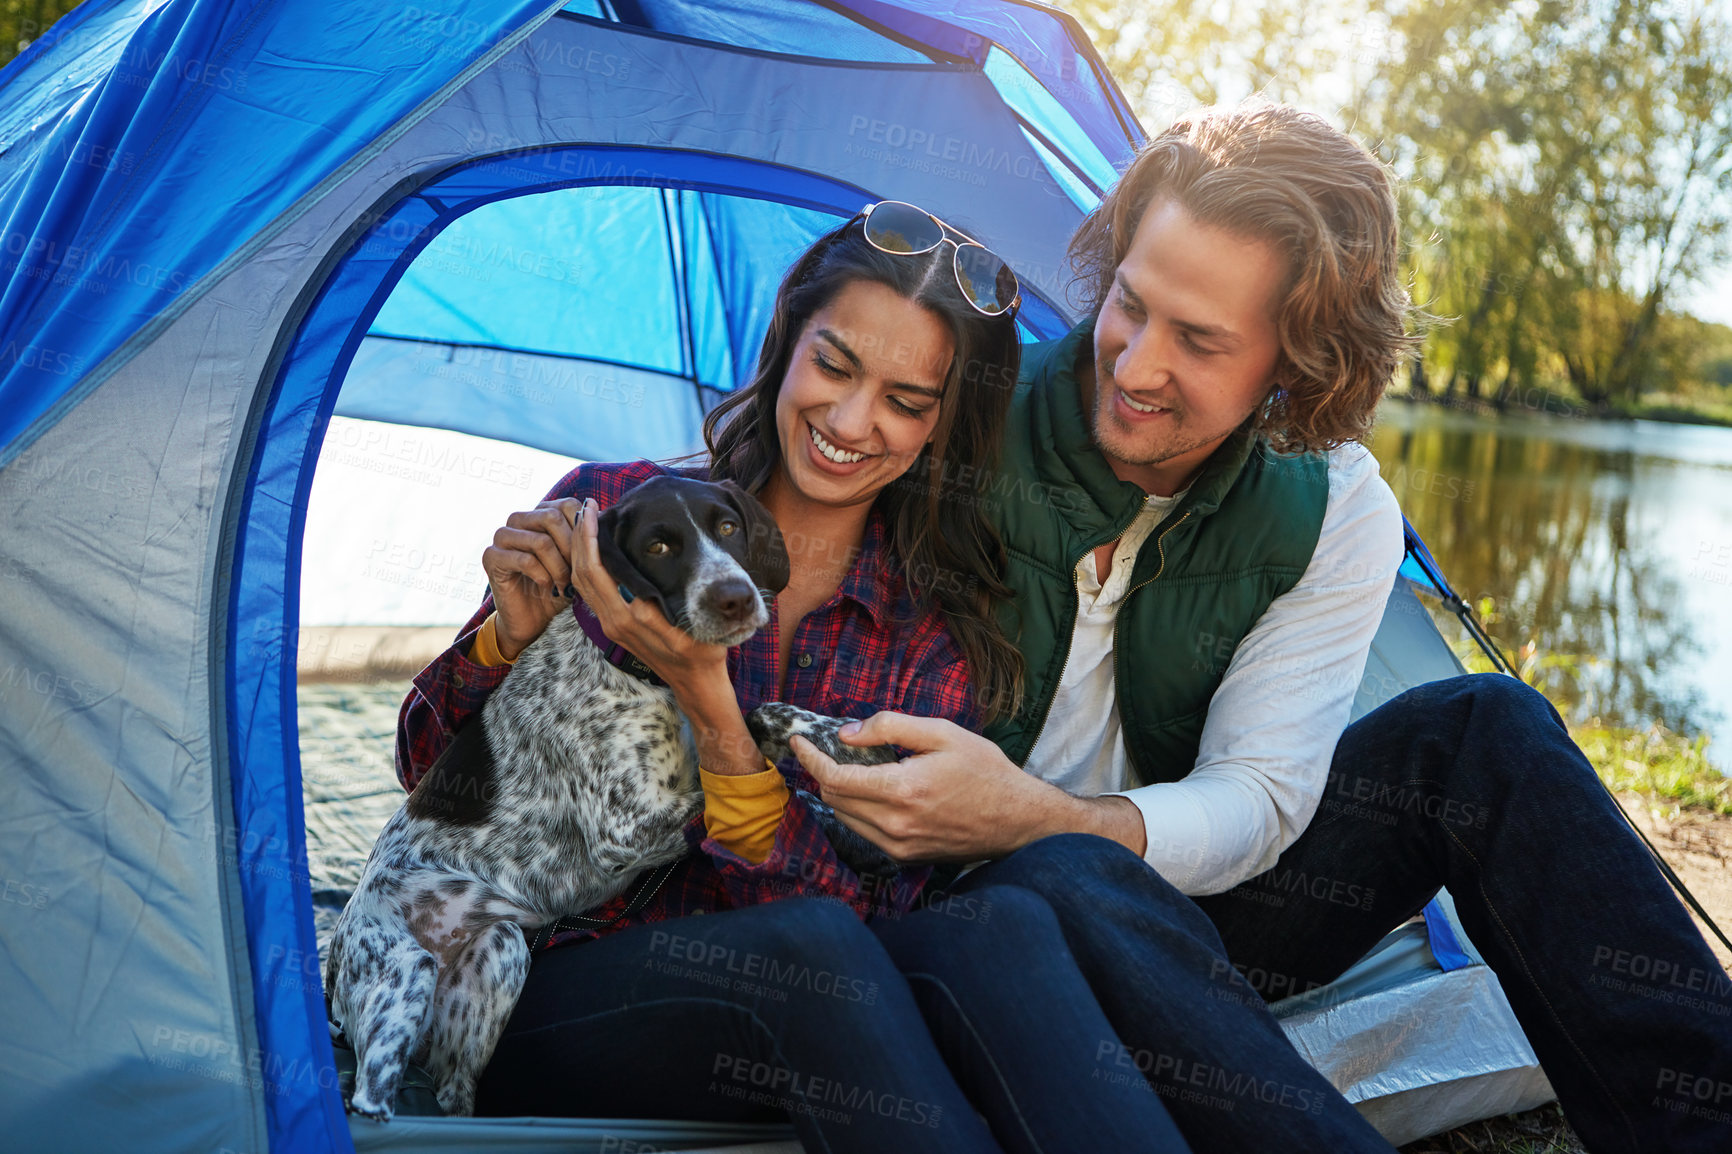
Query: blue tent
(559,225)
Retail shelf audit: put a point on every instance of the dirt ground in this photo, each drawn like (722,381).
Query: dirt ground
(1699,847)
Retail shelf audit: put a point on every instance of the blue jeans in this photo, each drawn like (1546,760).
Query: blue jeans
(1179,1015)
(1471,783)
(870,1039)
(1474,784)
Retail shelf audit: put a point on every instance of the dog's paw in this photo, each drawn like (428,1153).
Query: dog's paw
(457,1097)
(773,724)
(852,849)
(369,1109)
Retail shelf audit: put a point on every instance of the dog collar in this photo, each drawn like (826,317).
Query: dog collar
(617,655)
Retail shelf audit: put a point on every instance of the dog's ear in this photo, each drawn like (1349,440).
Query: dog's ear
(766,554)
(612,526)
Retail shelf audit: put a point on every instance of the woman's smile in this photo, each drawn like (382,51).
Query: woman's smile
(861,394)
(830,454)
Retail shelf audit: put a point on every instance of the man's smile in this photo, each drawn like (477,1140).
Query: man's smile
(1137,406)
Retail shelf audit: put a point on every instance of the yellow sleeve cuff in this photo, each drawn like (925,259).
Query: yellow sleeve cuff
(743,810)
(484,650)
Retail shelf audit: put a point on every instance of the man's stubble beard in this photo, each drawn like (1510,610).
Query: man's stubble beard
(1176,445)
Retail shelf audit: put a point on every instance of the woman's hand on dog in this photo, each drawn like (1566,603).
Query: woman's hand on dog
(697,673)
(638,625)
(528,567)
(544,555)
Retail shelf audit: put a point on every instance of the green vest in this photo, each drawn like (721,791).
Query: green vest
(1240,538)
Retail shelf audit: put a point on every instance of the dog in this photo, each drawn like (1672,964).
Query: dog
(771,726)
(576,777)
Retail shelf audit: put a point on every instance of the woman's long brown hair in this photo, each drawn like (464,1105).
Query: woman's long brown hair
(950,554)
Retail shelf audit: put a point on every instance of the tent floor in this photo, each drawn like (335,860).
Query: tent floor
(566,1136)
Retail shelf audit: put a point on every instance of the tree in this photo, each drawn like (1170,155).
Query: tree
(23,21)
(1565,165)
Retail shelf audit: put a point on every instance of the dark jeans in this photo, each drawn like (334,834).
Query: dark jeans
(1180,1015)
(1474,784)
(882,1038)
(1471,783)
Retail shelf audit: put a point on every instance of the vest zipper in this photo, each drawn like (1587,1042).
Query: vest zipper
(1161,551)
(1070,640)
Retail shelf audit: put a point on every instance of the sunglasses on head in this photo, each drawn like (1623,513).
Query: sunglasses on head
(901,229)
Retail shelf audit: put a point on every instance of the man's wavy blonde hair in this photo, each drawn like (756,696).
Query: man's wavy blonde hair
(1272,173)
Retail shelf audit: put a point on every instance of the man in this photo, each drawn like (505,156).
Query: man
(1195,609)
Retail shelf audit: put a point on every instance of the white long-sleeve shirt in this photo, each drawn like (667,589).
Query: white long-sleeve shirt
(1273,723)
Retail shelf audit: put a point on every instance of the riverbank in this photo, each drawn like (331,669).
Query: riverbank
(1669,408)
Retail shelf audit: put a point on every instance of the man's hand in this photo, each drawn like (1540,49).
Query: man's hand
(957,798)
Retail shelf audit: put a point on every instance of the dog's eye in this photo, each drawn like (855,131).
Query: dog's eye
(656,548)
(726,528)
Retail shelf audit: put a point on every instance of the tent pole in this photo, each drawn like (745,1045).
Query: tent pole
(1671,876)
(1464,613)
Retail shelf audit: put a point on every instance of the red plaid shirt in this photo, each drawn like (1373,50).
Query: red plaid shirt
(866,649)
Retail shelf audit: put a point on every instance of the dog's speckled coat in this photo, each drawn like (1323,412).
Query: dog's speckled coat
(576,777)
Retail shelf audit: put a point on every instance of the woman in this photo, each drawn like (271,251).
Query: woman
(885,369)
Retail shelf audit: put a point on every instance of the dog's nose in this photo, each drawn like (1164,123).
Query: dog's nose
(733,600)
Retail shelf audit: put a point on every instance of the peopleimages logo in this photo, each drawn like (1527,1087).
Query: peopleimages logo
(139,67)
(908,146)
(43,259)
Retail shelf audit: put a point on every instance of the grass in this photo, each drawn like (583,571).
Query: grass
(1691,409)
(1541,1131)
(1655,762)
(1658,764)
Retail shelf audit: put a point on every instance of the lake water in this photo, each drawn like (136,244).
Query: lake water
(1608,545)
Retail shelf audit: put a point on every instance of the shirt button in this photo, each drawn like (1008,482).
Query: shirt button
(805,661)
(457,680)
